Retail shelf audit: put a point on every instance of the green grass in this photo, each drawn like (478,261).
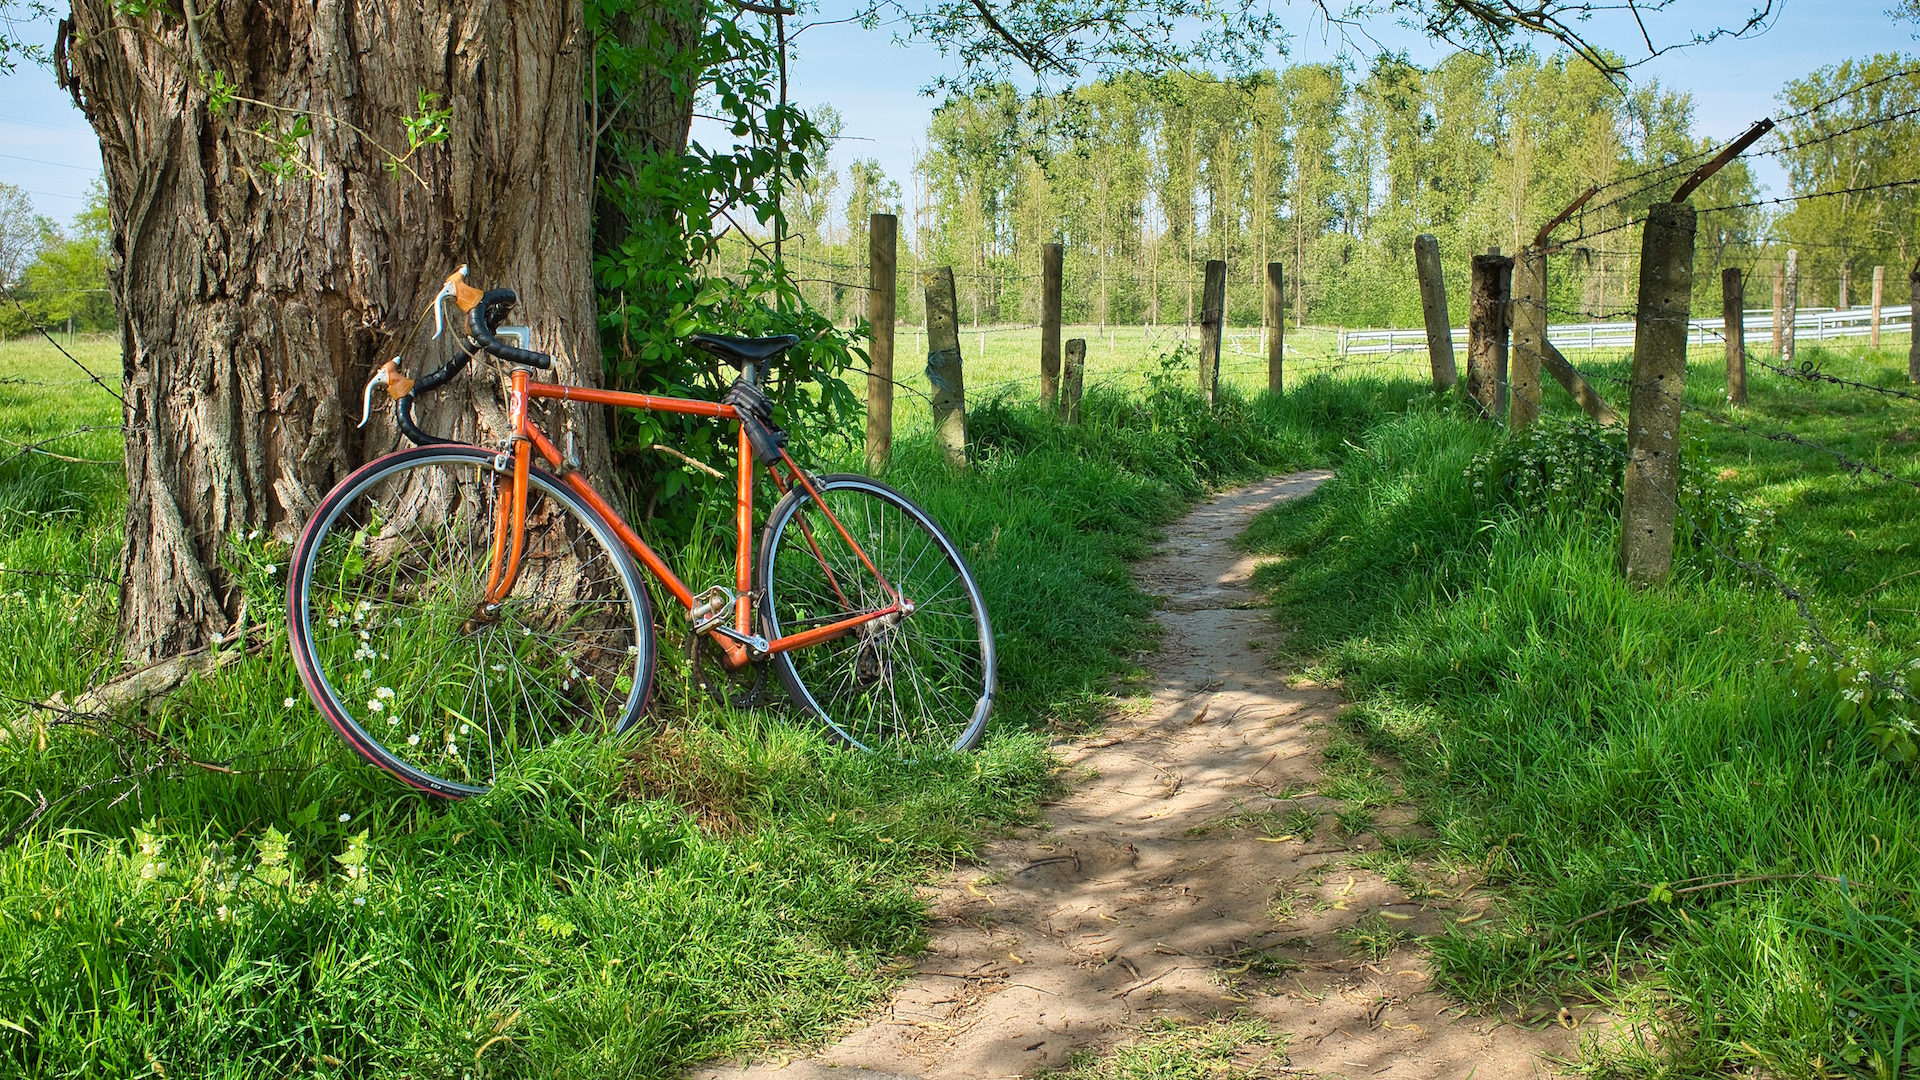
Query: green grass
(218,887)
(1587,746)
(1218,1050)
(1005,360)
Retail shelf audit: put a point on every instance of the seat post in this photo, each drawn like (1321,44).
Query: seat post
(749,373)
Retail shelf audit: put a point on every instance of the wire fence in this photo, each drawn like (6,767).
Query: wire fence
(1818,324)
(1802,412)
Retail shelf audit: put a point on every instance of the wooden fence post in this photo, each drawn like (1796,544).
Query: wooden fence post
(1213,296)
(943,366)
(1503,343)
(1733,308)
(1433,305)
(1779,308)
(1913,325)
(1879,289)
(1792,306)
(1486,331)
(1529,317)
(1652,482)
(1276,322)
(1073,380)
(1052,257)
(882,233)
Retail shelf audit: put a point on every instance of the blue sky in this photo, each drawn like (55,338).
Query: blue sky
(46,147)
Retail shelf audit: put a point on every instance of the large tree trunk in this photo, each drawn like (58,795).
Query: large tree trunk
(254,309)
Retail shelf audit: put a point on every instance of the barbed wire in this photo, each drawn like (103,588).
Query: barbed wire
(1784,199)
(63,352)
(1810,371)
(1868,85)
(1756,569)
(70,575)
(1674,166)
(24,449)
(1842,133)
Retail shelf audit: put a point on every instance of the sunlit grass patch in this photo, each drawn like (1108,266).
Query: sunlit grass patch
(1674,823)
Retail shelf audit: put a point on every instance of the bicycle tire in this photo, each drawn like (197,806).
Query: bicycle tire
(396,650)
(901,684)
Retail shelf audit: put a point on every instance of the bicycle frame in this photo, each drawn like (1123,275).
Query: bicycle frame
(740,646)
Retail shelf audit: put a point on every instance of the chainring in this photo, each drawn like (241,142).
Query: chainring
(745,688)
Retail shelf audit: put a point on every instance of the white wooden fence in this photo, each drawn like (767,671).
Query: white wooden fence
(1810,324)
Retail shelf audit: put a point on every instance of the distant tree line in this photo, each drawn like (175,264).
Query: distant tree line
(53,273)
(1333,174)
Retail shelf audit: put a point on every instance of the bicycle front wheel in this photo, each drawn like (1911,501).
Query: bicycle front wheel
(904,682)
(396,643)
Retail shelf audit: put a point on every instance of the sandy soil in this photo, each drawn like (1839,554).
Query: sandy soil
(1162,887)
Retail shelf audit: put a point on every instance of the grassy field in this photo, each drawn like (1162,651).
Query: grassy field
(1674,822)
(217,887)
(1677,825)
(1004,361)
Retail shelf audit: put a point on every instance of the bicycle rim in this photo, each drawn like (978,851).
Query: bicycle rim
(904,683)
(397,647)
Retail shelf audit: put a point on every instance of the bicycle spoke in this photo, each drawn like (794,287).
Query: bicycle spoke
(918,680)
(400,648)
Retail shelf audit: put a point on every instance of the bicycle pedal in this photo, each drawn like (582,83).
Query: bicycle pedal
(711,608)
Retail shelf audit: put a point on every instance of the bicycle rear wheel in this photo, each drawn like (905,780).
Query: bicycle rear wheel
(398,649)
(903,683)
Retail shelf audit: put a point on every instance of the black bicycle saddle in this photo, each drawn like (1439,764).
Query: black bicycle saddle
(741,351)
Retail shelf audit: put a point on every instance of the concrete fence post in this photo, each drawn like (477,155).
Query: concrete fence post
(882,234)
(1879,290)
(1733,311)
(1913,325)
(1073,380)
(1486,330)
(944,369)
(1276,332)
(1052,261)
(1529,320)
(1779,309)
(1213,295)
(1433,308)
(1652,483)
(1792,311)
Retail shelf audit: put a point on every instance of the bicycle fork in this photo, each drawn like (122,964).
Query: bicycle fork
(510,514)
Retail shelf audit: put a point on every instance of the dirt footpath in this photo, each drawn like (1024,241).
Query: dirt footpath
(1192,873)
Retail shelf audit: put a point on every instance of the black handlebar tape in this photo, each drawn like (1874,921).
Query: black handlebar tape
(483,321)
(438,377)
(403,418)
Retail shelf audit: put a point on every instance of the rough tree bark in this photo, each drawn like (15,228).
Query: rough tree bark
(252,310)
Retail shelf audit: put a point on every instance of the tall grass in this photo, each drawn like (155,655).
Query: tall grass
(1597,752)
(217,887)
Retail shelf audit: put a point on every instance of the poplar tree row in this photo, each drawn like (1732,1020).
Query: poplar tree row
(1333,173)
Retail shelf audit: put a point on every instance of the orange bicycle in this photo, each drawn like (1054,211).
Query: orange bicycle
(452,607)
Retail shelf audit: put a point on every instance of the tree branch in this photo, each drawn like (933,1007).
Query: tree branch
(1034,55)
(763,9)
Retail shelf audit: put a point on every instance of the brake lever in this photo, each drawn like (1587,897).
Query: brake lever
(439,309)
(398,386)
(456,289)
